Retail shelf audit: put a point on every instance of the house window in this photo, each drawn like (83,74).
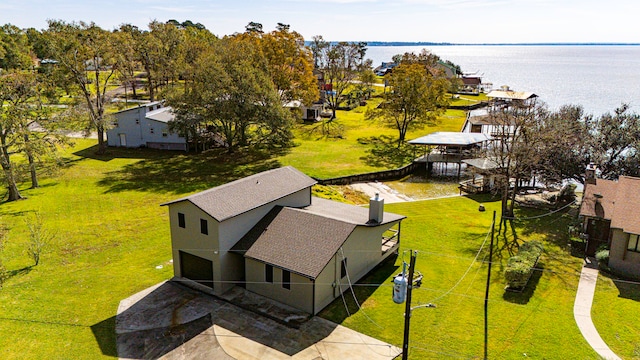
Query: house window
(268,273)
(343,268)
(181,221)
(634,244)
(204,227)
(286,279)
(137,121)
(165,134)
(151,130)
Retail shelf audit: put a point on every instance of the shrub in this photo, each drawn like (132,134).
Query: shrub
(520,267)
(602,256)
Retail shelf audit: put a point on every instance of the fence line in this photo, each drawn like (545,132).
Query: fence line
(384,175)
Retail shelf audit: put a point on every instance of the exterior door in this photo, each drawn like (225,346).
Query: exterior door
(123,139)
(598,231)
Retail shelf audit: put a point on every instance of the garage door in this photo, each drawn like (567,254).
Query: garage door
(196,268)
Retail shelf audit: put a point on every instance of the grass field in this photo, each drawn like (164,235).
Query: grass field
(448,234)
(112,240)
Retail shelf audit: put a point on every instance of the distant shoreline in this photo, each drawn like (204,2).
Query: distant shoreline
(421,43)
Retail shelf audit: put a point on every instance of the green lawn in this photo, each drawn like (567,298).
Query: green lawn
(112,240)
(615,314)
(323,157)
(538,323)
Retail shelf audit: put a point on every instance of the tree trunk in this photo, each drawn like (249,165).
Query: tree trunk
(32,164)
(102,146)
(7,168)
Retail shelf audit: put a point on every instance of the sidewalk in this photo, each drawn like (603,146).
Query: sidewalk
(582,309)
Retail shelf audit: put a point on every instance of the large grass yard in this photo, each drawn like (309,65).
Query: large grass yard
(537,323)
(323,157)
(112,240)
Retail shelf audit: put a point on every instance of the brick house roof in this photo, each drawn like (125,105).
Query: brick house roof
(237,197)
(614,200)
(625,213)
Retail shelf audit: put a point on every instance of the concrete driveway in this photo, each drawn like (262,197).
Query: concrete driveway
(172,321)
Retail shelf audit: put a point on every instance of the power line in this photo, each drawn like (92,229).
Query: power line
(539,216)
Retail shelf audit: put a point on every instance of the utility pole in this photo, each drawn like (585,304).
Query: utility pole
(486,296)
(407,311)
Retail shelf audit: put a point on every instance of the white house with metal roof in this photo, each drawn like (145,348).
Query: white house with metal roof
(268,234)
(146,125)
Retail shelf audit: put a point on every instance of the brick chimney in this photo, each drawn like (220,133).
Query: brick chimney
(590,174)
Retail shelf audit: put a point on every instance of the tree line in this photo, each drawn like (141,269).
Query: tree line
(236,91)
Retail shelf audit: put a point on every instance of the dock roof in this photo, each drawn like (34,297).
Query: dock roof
(511,95)
(451,139)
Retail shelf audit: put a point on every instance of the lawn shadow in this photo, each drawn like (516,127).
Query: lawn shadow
(523,296)
(482,198)
(554,226)
(337,312)
(180,173)
(105,334)
(384,152)
(124,153)
(626,289)
(17,272)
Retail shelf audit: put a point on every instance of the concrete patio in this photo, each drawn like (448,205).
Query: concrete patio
(172,321)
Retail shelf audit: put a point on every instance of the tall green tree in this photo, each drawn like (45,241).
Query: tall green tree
(290,65)
(564,146)
(416,99)
(341,63)
(88,54)
(15,49)
(127,57)
(615,145)
(17,89)
(232,94)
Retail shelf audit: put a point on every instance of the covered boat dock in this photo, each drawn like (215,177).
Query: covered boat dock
(444,148)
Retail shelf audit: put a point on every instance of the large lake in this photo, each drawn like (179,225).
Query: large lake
(598,77)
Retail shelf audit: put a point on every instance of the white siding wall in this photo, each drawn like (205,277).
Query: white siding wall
(140,133)
(126,121)
(152,132)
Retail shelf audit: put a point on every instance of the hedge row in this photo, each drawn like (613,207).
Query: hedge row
(520,267)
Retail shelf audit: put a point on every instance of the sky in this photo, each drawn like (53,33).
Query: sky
(451,21)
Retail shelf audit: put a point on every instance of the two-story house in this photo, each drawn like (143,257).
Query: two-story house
(268,234)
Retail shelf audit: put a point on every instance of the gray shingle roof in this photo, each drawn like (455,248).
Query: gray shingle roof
(296,240)
(237,197)
(304,240)
(348,213)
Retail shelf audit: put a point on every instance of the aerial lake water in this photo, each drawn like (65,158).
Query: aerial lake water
(598,77)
